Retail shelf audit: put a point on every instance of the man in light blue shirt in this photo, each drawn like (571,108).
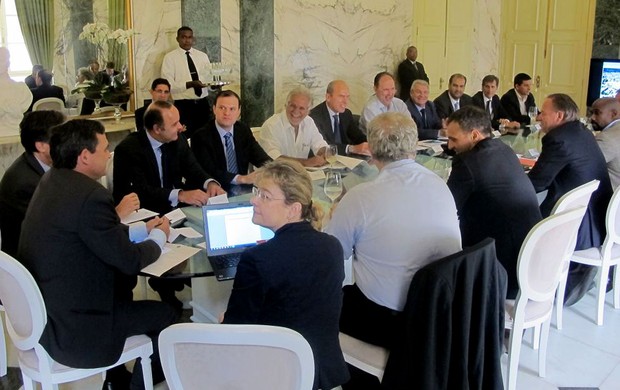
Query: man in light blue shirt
(383,100)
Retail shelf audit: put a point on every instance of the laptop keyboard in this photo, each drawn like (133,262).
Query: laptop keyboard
(225,261)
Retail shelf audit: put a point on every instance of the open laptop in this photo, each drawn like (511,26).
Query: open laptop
(229,230)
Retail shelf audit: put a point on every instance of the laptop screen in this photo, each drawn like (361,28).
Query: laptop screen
(229,228)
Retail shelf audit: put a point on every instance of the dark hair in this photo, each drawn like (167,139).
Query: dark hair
(160,81)
(564,103)
(183,28)
(153,115)
(472,117)
(45,76)
(227,93)
(109,64)
(489,79)
(35,127)
(520,78)
(380,75)
(457,76)
(37,68)
(69,139)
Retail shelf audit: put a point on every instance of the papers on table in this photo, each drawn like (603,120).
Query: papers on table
(431,144)
(218,199)
(316,175)
(184,231)
(175,216)
(171,256)
(139,215)
(348,162)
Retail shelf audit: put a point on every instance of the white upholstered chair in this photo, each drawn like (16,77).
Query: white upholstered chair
(258,357)
(539,267)
(26,318)
(49,103)
(605,257)
(365,356)
(3,358)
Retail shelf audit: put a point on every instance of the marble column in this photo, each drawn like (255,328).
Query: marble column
(203,16)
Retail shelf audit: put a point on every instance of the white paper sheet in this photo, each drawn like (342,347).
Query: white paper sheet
(316,175)
(218,199)
(175,216)
(174,255)
(348,162)
(139,215)
(184,231)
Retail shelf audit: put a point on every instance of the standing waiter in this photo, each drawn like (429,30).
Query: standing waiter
(184,67)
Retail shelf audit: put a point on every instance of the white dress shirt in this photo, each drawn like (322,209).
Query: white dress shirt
(174,68)
(14,101)
(277,137)
(374,107)
(396,224)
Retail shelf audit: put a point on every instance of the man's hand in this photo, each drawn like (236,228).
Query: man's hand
(162,224)
(360,149)
(246,179)
(194,197)
(316,161)
(195,84)
(214,189)
(128,205)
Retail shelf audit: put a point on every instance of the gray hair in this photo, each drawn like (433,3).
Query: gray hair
(392,136)
(300,91)
(419,82)
(86,73)
(563,103)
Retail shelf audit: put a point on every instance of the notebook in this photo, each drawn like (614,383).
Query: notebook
(229,230)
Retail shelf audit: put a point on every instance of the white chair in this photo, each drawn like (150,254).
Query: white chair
(605,257)
(539,267)
(365,356)
(258,357)
(50,103)
(3,358)
(26,318)
(577,197)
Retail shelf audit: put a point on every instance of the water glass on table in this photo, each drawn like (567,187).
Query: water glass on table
(333,185)
(331,154)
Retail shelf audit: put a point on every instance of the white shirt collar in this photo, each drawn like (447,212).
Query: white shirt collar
(155,144)
(611,124)
(222,131)
(43,165)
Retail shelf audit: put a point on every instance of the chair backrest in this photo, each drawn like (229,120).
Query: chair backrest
(108,180)
(612,222)
(49,103)
(235,357)
(548,244)
(576,197)
(23,304)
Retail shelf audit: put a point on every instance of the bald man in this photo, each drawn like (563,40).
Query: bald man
(15,98)
(606,117)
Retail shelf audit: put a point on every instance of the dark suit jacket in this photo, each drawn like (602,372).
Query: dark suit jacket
(139,117)
(75,247)
(511,105)
(444,105)
(571,157)
(135,170)
(407,74)
(16,189)
(350,133)
(210,153)
(494,198)
(277,284)
(454,325)
(498,109)
(433,123)
(45,91)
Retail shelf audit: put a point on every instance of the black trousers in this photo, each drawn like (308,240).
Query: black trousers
(195,113)
(367,321)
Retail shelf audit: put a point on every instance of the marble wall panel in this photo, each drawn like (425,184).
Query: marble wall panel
(203,16)
(231,42)
(320,40)
(486,38)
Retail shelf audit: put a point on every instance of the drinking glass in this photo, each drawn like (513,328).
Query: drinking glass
(333,185)
(331,154)
(532,112)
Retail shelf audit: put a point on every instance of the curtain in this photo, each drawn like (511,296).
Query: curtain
(116,19)
(36,19)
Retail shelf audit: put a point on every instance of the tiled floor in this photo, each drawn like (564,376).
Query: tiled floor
(582,355)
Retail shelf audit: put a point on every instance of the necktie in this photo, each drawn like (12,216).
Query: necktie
(193,72)
(231,158)
(337,137)
(423,113)
(488,108)
(456,106)
(415,65)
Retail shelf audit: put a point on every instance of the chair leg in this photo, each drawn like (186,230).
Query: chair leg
(536,338)
(29,384)
(616,287)
(3,358)
(559,300)
(516,336)
(542,352)
(145,361)
(600,296)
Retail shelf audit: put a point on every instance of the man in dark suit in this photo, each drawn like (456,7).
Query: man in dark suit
(74,245)
(519,100)
(454,97)
(212,143)
(31,79)
(571,157)
(45,89)
(22,177)
(153,163)
(423,111)
(160,90)
(500,202)
(488,100)
(410,70)
(335,121)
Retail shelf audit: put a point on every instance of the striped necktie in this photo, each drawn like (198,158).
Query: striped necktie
(231,158)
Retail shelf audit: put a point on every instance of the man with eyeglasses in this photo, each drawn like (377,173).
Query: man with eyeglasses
(292,133)
(160,91)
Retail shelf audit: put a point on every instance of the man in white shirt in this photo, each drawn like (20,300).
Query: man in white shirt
(606,117)
(292,133)
(14,99)
(517,101)
(186,68)
(454,98)
(383,100)
(393,226)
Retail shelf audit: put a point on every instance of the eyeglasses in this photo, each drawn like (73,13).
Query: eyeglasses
(257,192)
